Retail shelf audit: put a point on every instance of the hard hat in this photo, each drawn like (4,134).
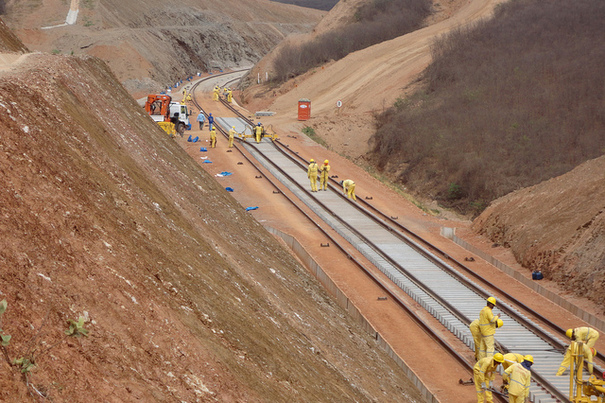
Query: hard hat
(498,357)
(569,333)
(233,127)
(326,162)
(529,358)
(492,301)
(499,323)
(258,124)
(311,160)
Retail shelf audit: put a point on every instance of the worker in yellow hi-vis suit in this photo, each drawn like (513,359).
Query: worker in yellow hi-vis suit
(312,174)
(576,348)
(488,323)
(215,93)
(586,335)
(324,174)
(518,377)
(229,95)
(483,376)
(510,359)
(258,131)
(231,136)
(213,138)
(348,187)
(476,333)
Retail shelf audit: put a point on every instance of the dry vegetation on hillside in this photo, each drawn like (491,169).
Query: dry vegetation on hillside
(507,104)
(374,22)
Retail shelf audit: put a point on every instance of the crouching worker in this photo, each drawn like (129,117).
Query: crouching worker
(348,187)
(484,375)
(518,377)
(576,349)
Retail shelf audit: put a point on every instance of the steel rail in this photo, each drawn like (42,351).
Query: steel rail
(513,314)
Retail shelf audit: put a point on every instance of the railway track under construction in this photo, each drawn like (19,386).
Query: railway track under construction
(447,289)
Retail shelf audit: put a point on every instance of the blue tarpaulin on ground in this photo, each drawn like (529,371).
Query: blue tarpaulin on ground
(224,173)
(207,162)
(251,208)
(203,149)
(229,189)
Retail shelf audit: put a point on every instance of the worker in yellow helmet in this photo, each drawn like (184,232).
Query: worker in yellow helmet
(229,95)
(348,187)
(518,377)
(324,172)
(312,174)
(483,376)
(487,324)
(231,136)
(574,349)
(476,333)
(509,359)
(213,138)
(586,335)
(215,93)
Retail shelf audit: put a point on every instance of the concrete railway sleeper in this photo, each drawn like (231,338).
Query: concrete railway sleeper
(418,268)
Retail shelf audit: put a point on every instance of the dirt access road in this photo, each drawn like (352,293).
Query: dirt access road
(366,81)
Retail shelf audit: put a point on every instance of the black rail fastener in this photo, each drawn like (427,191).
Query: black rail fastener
(240,163)
(382,298)
(325,245)
(276,192)
(394,218)
(369,198)
(469,259)
(334,176)
(229,151)
(258,176)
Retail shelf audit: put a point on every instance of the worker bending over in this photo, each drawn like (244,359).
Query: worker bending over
(518,376)
(348,187)
(312,174)
(231,136)
(213,138)
(324,172)
(483,376)
(488,322)
(586,335)
(576,348)
(509,360)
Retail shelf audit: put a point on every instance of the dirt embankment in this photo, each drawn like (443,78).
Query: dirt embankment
(557,227)
(152,44)
(186,297)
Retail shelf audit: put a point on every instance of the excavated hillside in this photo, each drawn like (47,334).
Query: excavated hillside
(184,295)
(152,44)
(557,227)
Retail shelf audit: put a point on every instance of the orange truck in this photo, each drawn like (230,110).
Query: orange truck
(172,116)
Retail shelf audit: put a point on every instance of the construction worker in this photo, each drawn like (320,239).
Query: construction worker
(201,119)
(213,138)
(488,323)
(518,377)
(258,131)
(215,93)
(509,359)
(483,376)
(348,187)
(575,349)
(231,136)
(210,121)
(312,174)
(587,335)
(229,95)
(324,172)
(476,333)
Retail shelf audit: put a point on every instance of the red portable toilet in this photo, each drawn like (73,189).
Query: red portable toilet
(304,109)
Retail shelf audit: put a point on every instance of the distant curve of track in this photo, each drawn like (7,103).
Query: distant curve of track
(425,273)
